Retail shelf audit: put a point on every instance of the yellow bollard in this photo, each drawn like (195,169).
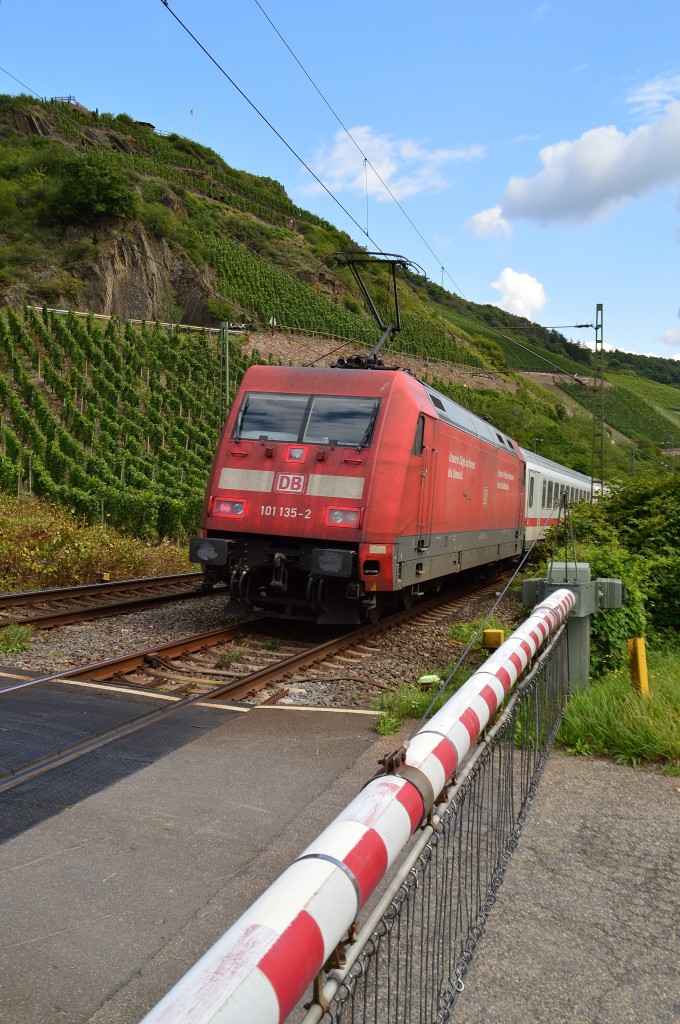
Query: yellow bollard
(493,638)
(638,665)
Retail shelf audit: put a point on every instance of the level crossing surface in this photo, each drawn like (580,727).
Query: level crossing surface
(119,869)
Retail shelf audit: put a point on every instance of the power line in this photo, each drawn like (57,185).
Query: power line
(266,120)
(22,84)
(367,162)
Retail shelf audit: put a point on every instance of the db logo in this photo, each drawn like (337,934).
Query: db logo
(294,483)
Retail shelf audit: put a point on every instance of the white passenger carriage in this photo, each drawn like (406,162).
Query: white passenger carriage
(546,481)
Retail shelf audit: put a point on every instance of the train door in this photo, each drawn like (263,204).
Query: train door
(533,507)
(532,495)
(425,436)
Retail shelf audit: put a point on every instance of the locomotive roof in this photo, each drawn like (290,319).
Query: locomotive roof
(459,416)
(310,377)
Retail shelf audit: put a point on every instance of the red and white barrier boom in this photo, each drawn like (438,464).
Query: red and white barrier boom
(261,967)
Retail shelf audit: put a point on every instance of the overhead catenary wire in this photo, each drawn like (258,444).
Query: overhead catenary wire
(22,84)
(266,120)
(367,162)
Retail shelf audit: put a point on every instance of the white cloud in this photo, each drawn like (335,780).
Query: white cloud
(651,97)
(671,338)
(488,222)
(406,166)
(521,293)
(586,178)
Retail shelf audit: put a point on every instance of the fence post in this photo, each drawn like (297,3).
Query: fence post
(591,596)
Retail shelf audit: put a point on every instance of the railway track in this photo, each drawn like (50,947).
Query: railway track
(45,609)
(254,661)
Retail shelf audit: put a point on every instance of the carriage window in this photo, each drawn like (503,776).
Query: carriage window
(543,494)
(550,493)
(314,419)
(418,440)
(531,491)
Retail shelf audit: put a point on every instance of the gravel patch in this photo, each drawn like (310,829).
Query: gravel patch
(68,647)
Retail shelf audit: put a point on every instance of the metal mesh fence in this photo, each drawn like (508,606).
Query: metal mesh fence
(411,956)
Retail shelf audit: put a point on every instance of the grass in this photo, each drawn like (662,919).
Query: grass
(15,638)
(611,719)
(410,700)
(234,654)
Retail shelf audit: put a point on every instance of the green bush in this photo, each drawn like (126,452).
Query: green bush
(92,188)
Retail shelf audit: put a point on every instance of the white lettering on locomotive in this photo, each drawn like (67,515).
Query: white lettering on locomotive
(294,483)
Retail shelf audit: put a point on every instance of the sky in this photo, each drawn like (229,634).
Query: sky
(524,154)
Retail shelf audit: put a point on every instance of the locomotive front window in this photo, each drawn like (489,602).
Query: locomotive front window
(346,422)
(272,417)
(312,419)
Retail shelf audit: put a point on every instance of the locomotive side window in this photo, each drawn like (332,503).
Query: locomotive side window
(418,440)
(314,419)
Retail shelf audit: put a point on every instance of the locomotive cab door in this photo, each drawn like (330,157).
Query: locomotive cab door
(424,448)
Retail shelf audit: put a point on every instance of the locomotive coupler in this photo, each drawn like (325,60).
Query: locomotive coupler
(279,580)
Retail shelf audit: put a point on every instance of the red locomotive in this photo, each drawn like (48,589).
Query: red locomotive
(334,489)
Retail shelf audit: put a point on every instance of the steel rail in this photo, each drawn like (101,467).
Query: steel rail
(88,589)
(103,611)
(129,662)
(235,689)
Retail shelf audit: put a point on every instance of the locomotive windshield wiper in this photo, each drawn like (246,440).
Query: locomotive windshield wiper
(368,432)
(239,421)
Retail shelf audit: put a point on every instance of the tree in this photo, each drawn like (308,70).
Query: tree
(91,188)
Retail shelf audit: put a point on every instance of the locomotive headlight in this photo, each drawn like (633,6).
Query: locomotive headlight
(228,507)
(343,517)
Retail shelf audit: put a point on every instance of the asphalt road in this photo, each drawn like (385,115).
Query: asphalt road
(586,923)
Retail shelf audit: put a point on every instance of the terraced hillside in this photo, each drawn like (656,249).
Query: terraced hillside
(101,212)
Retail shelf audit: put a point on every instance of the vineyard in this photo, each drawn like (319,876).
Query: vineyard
(625,410)
(661,395)
(119,424)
